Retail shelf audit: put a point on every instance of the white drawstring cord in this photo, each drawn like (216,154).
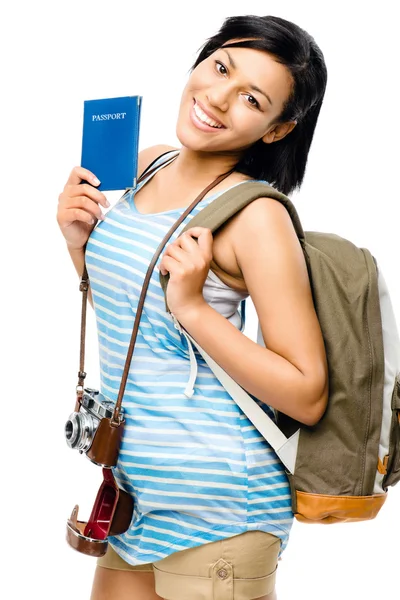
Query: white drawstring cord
(189,389)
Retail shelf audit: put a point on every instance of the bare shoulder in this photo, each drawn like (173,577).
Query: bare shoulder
(263,212)
(264,224)
(265,220)
(147,155)
(264,240)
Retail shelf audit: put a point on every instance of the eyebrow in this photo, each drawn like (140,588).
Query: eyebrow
(252,87)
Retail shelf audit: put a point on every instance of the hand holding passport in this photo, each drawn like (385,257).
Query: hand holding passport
(110,140)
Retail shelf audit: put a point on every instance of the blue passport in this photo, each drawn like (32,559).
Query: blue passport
(110,140)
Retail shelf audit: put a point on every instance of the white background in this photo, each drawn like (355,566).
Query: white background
(54,55)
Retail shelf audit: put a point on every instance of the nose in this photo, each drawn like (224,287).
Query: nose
(218,96)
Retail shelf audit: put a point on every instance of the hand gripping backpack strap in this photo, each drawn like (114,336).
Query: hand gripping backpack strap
(231,202)
(84,288)
(213,216)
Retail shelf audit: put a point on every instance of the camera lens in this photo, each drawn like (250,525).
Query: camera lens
(79,430)
(68,430)
(73,430)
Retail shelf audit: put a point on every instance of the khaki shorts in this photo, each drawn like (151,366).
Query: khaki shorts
(242,567)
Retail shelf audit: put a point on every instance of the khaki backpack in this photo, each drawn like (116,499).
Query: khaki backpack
(339,469)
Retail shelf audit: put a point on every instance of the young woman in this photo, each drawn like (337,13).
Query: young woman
(212,501)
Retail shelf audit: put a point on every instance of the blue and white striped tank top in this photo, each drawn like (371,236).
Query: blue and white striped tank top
(197,468)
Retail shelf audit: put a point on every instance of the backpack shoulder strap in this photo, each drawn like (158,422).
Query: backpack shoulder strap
(230,202)
(233,200)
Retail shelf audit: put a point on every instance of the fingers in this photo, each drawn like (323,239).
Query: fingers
(170,264)
(81,204)
(186,255)
(79,174)
(198,231)
(190,259)
(77,214)
(84,189)
(177,253)
(203,244)
(174,259)
(187,242)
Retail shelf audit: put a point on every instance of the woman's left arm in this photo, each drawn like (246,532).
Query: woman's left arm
(291,373)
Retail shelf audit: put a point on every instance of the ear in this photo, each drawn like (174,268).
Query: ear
(278,132)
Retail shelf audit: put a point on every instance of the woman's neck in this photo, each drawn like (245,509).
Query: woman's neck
(201,166)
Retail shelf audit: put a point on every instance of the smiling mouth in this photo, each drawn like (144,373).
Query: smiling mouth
(205,119)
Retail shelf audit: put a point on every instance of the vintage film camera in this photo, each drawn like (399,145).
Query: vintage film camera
(81,427)
(92,430)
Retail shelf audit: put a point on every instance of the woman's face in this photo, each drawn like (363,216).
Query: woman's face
(231,100)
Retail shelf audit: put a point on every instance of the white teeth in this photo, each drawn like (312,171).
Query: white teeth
(204,118)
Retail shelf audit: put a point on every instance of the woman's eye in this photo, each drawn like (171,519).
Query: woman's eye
(253,101)
(221,68)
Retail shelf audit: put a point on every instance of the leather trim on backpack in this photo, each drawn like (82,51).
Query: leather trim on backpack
(319,508)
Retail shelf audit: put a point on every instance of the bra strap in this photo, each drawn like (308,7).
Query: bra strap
(153,162)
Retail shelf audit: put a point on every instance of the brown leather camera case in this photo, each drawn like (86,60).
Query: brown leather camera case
(111,515)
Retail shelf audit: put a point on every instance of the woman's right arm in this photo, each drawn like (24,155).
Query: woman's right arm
(79,210)
(77,213)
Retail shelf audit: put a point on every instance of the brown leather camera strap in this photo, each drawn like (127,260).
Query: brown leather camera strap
(84,288)
(84,285)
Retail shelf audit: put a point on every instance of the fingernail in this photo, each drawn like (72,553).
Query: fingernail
(107,203)
(95,181)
